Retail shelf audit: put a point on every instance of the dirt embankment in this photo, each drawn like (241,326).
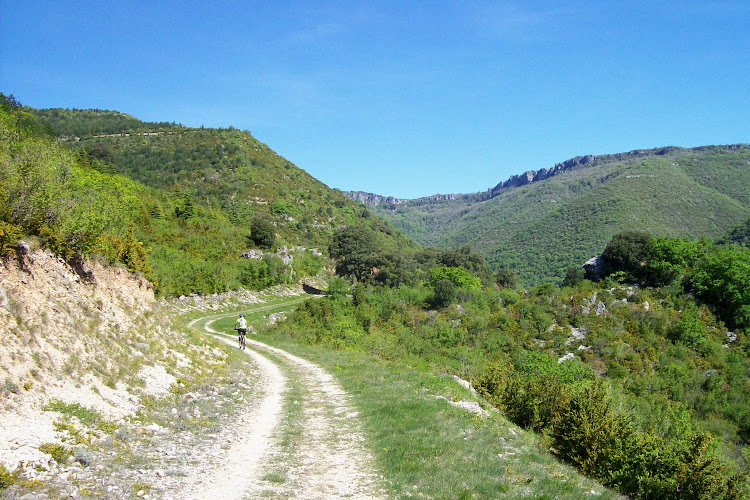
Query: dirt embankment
(82,336)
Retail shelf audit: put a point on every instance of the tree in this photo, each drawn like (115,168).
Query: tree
(628,251)
(573,276)
(506,278)
(445,293)
(354,249)
(262,233)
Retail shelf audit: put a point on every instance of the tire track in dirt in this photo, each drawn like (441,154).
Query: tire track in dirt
(330,460)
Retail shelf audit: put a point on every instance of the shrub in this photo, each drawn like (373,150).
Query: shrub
(84,456)
(9,236)
(459,276)
(534,402)
(445,293)
(58,452)
(509,296)
(6,478)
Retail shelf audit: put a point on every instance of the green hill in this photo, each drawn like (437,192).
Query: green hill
(541,228)
(178,204)
(227,170)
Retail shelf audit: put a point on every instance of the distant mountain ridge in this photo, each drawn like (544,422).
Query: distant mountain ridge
(539,223)
(518,180)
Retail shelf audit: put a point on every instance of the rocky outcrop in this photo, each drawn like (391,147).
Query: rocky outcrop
(370,198)
(513,181)
(593,268)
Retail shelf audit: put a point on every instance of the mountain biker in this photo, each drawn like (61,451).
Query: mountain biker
(241,326)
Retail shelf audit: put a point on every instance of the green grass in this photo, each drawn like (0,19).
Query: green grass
(426,447)
(85,415)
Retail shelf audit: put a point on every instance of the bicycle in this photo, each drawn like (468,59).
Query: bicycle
(241,334)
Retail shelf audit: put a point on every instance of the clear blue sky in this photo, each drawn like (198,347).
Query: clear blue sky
(399,97)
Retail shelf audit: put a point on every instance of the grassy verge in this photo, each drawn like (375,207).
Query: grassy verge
(426,447)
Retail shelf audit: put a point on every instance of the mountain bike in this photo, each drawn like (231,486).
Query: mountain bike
(241,332)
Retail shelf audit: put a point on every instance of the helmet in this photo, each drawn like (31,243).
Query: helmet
(242,315)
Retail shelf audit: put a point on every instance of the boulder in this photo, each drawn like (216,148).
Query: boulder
(593,268)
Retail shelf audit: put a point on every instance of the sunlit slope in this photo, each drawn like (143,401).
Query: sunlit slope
(227,170)
(544,227)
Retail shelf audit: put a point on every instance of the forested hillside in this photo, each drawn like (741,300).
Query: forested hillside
(541,228)
(179,205)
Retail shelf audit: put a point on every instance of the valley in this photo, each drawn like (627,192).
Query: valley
(453,348)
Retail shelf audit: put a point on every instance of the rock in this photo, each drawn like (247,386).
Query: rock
(275,318)
(600,309)
(253,253)
(464,383)
(567,357)
(593,268)
(471,407)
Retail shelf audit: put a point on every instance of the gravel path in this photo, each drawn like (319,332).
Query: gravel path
(325,458)
(264,424)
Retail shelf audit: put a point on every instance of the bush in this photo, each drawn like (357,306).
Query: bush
(6,478)
(445,293)
(262,233)
(534,402)
(58,452)
(459,276)
(9,236)
(84,456)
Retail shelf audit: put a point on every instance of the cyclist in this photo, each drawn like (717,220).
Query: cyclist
(241,326)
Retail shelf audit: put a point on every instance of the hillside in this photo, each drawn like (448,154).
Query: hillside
(180,205)
(225,169)
(541,223)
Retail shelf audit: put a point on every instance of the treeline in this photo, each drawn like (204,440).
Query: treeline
(640,385)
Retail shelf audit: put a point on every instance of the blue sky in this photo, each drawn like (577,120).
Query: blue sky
(399,98)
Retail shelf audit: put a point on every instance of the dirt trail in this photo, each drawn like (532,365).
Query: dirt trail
(322,456)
